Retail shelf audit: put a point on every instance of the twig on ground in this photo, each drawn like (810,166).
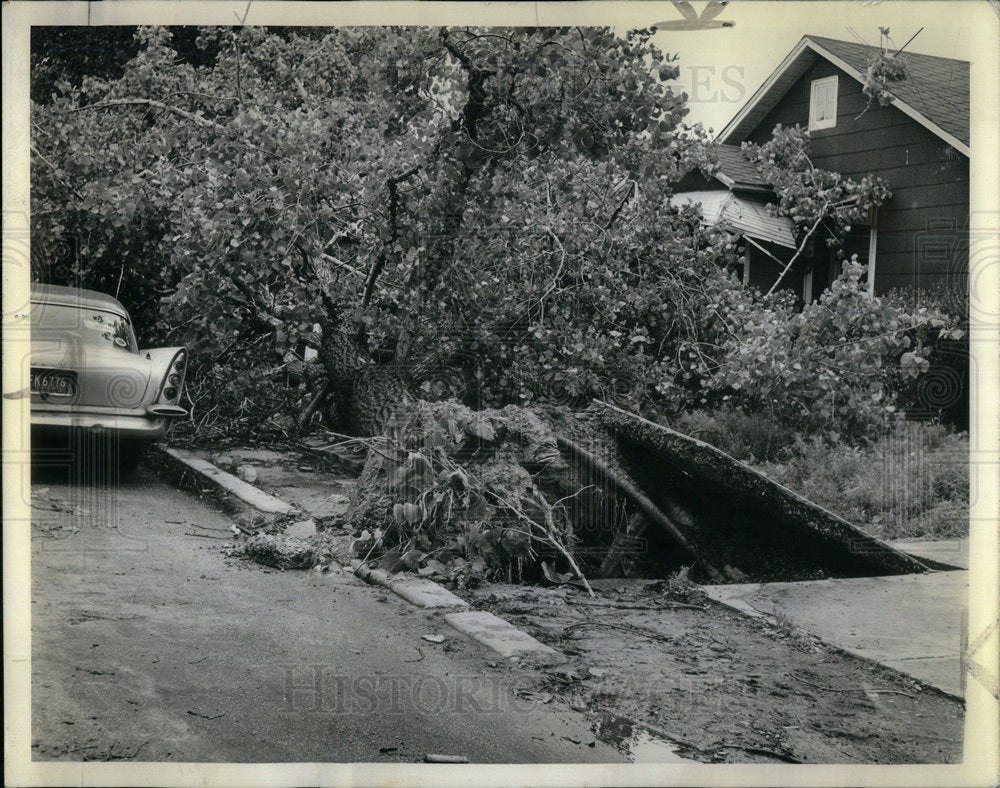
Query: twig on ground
(763,751)
(617,606)
(202,527)
(851,689)
(644,631)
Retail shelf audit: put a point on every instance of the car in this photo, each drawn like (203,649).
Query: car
(89,377)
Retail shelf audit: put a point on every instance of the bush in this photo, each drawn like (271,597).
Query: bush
(912,481)
(746,436)
(843,365)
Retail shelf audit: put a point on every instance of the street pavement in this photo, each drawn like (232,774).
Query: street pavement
(150,644)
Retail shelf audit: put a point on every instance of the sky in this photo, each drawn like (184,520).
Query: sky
(721,68)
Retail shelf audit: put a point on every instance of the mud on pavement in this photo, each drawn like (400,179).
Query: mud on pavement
(722,687)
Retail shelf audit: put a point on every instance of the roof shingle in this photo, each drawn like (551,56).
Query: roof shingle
(735,165)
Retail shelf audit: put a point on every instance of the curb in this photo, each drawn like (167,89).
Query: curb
(422,593)
(501,636)
(484,627)
(249,503)
(250,506)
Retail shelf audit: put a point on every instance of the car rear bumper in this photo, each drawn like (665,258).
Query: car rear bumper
(134,425)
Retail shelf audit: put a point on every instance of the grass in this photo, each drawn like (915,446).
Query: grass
(912,481)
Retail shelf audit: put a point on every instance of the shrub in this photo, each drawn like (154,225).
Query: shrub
(912,481)
(842,365)
(746,436)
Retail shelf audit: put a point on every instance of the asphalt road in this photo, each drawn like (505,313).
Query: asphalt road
(150,644)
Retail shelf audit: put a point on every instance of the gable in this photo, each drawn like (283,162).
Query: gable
(934,95)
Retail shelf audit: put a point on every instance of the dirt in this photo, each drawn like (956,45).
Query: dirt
(721,687)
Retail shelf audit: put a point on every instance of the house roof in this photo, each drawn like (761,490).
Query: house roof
(736,171)
(935,92)
(721,208)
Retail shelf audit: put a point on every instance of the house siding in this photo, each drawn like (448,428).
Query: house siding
(922,228)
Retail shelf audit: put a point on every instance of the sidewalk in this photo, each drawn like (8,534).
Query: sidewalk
(912,623)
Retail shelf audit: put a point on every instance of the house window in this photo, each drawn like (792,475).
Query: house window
(823,104)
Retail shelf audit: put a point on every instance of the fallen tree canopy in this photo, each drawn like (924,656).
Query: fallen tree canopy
(522,495)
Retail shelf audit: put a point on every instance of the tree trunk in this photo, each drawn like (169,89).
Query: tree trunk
(362,393)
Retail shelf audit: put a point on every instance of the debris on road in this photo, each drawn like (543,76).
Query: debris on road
(722,687)
(277,550)
(247,473)
(433,638)
(432,757)
(206,716)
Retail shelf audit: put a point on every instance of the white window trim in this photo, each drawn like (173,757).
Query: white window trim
(807,286)
(872,247)
(826,123)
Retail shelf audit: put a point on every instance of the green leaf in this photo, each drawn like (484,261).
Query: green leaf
(412,513)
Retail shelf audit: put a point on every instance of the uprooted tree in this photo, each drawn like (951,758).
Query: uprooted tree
(477,214)
(486,203)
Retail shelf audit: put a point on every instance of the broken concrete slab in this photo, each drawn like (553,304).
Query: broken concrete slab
(911,623)
(731,514)
(302,529)
(501,636)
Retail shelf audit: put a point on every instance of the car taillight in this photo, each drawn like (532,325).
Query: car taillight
(174,379)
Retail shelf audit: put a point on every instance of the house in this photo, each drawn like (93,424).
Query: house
(918,143)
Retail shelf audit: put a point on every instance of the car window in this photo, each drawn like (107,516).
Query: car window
(92,326)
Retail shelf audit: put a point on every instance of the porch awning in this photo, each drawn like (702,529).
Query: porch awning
(725,210)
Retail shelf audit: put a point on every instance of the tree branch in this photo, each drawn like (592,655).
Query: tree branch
(628,193)
(140,102)
(798,251)
(196,119)
(377,267)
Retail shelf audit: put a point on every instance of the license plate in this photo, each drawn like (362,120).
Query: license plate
(54,382)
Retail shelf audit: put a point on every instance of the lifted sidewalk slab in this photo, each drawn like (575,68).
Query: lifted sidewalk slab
(953,552)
